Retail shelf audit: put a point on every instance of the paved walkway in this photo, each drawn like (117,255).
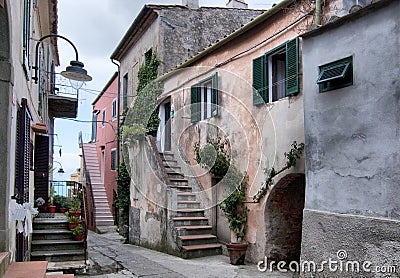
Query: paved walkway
(110,258)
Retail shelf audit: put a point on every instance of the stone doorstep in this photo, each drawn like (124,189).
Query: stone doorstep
(66,265)
(27,269)
(201,246)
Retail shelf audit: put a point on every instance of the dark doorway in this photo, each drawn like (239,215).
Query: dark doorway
(284,217)
(167,126)
(41,166)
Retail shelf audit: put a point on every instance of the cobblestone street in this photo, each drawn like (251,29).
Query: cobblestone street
(110,257)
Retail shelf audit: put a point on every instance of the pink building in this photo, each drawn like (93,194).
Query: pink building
(100,156)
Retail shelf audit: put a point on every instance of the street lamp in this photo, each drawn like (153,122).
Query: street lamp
(73,72)
(61,170)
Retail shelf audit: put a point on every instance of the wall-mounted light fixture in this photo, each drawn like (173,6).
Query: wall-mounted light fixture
(60,170)
(74,72)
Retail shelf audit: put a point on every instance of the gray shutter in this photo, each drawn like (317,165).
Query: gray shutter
(195,106)
(214,95)
(292,67)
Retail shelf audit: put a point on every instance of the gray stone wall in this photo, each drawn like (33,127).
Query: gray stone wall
(185,32)
(352,142)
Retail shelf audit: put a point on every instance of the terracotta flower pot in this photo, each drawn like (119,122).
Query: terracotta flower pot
(51,209)
(237,253)
(72,225)
(80,236)
(63,210)
(76,213)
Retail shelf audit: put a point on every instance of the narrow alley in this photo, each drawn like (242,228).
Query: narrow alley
(110,257)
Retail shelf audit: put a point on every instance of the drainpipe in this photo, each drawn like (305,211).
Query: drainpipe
(317,19)
(118,117)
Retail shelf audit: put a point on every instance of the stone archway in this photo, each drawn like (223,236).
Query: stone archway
(283,218)
(5,102)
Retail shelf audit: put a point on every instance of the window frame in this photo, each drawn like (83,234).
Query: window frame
(347,76)
(197,94)
(113,159)
(103,119)
(125,82)
(26,32)
(263,73)
(114,109)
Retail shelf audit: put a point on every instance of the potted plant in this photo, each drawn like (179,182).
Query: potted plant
(235,210)
(73,221)
(65,205)
(78,232)
(51,208)
(75,209)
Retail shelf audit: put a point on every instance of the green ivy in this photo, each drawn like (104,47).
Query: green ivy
(143,118)
(213,156)
(123,197)
(291,160)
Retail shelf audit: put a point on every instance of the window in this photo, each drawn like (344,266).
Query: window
(204,99)
(114,109)
(125,92)
(147,56)
(26,33)
(113,159)
(336,75)
(94,126)
(103,120)
(276,73)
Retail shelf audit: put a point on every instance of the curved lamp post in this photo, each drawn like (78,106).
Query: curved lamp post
(61,170)
(73,72)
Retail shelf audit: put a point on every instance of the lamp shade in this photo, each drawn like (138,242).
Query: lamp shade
(76,72)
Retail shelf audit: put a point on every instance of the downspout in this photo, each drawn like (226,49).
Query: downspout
(317,19)
(118,117)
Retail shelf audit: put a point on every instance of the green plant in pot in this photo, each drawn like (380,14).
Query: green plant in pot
(75,209)
(78,232)
(235,209)
(73,221)
(52,208)
(215,156)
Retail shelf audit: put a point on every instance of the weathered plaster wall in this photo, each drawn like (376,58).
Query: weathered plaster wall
(259,135)
(352,140)
(149,198)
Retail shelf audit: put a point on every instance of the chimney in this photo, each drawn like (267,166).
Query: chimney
(191,4)
(237,4)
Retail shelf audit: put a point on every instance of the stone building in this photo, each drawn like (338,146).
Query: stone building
(351,108)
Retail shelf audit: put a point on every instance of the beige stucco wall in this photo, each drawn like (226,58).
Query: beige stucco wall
(22,86)
(259,135)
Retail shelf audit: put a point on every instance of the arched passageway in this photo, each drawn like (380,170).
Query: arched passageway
(283,218)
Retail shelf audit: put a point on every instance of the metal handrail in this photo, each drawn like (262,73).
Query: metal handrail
(87,174)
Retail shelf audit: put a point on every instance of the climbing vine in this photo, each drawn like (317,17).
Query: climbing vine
(123,197)
(143,118)
(291,160)
(213,156)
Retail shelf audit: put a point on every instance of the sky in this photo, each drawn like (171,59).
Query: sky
(96,27)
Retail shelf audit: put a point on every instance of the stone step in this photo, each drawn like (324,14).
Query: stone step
(193,230)
(104,222)
(184,188)
(173,174)
(167,155)
(58,256)
(189,212)
(52,234)
(169,162)
(190,221)
(201,250)
(186,240)
(56,244)
(178,181)
(65,266)
(171,168)
(188,204)
(48,224)
(186,196)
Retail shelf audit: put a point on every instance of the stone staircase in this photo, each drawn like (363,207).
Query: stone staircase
(193,233)
(53,242)
(103,217)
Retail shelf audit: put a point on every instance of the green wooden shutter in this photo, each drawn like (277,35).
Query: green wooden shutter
(195,107)
(260,80)
(292,67)
(214,95)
